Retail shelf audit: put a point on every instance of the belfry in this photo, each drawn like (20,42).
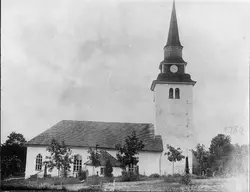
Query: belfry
(173,97)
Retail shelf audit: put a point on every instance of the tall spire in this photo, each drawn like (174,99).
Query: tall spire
(173,34)
(173,59)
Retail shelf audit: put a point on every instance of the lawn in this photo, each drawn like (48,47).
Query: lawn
(157,184)
(198,185)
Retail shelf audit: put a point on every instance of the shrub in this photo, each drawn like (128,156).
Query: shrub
(93,180)
(154,175)
(177,175)
(172,179)
(33,177)
(63,181)
(129,176)
(82,175)
(186,179)
(106,179)
(108,169)
(209,173)
(201,177)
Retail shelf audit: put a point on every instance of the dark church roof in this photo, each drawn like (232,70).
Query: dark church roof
(105,134)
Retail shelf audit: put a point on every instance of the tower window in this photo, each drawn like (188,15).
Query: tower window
(177,93)
(171,93)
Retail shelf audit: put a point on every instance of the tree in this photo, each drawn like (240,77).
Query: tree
(186,166)
(174,154)
(15,139)
(13,155)
(94,157)
(9,165)
(202,155)
(221,152)
(60,157)
(219,145)
(108,169)
(126,154)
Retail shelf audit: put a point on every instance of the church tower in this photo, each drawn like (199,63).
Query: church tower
(173,97)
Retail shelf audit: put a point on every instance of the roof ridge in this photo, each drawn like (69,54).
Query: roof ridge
(104,122)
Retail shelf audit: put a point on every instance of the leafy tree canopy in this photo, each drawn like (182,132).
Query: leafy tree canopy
(15,139)
(60,157)
(13,154)
(220,145)
(108,169)
(202,156)
(126,154)
(174,154)
(94,157)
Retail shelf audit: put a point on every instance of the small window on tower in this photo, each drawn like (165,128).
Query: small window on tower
(171,93)
(177,93)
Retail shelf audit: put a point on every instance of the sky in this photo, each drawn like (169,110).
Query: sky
(95,60)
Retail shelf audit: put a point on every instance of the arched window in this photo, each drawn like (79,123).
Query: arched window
(177,93)
(171,93)
(39,162)
(77,163)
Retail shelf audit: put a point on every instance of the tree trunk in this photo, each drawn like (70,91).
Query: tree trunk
(173,167)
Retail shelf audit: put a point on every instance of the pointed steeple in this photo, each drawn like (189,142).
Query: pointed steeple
(172,68)
(173,34)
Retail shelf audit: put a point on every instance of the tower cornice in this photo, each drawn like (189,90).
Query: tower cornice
(169,82)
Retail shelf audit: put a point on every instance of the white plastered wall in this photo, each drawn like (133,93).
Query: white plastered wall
(148,161)
(174,122)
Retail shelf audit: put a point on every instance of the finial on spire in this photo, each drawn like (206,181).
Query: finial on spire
(173,34)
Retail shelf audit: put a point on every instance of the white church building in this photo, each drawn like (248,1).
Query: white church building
(173,98)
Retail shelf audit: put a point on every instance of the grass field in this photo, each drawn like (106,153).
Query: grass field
(153,185)
(198,185)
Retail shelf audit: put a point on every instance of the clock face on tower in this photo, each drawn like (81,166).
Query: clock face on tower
(173,68)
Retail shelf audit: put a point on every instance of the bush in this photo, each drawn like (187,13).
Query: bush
(107,179)
(63,181)
(48,176)
(154,175)
(82,175)
(33,177)
(108,169)
(201,177)
(177,175)
(93,180)
(209,173)
(186,179)
(129,176)
(172,179)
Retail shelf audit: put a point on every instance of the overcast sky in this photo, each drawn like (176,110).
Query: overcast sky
(95,60)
